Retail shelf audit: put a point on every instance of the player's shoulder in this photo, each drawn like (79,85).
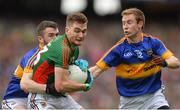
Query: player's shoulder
(57,42)
(150,36)
(154,40)
(121,41)
(30,53)
(118,46)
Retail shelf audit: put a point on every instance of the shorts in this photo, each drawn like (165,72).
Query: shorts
(15,103)
(45,101)
(147,101)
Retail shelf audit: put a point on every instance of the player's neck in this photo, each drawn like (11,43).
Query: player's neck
(136,38)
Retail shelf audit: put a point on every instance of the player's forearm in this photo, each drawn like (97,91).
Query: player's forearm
(173,62)
(34,87)
(96,71)
(28,85)
(70,86)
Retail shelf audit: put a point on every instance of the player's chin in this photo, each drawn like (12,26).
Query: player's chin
(78,43)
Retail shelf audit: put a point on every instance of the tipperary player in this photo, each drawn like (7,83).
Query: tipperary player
(138,59)
(15,98)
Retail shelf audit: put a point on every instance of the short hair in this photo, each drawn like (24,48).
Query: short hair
(43,25)
(76,17)
(139,15)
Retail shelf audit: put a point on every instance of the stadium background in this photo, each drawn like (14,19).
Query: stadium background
(19,18)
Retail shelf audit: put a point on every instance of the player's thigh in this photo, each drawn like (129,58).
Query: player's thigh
(16,103)
(39,101)
(131,102)
(158,100)
(68,103)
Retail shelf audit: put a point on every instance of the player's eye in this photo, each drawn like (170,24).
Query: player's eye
(84,31)
(77,30)
(51,35)
(57,34)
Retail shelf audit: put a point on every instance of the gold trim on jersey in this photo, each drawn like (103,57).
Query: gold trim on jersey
(167,54)
(19,71)
(28,69)
(102,65)
(134,71)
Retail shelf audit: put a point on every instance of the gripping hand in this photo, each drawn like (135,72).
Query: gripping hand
(157,60)
(83,64)
(89,81)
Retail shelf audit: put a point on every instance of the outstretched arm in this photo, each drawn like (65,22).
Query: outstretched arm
(96,71)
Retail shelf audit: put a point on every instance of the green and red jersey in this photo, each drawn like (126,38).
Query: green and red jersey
(58,53)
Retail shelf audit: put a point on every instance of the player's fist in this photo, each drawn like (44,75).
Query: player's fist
(157,60)
(83,64)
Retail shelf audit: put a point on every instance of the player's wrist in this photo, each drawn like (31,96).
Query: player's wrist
(51,90)
(86,87)
(164,63)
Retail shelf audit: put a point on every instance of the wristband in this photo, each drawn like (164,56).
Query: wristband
(164,63)
(87,87)
(50,89)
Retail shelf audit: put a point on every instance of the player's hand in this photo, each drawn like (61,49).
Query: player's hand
(89,81)
(157,60)
(83,64)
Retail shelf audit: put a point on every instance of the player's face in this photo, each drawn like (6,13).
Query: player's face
(76,33)
(49,34)
(130,25)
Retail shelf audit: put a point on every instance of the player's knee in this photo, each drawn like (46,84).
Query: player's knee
(164,107)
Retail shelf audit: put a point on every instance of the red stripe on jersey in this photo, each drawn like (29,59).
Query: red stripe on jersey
(65,53)
(42,72)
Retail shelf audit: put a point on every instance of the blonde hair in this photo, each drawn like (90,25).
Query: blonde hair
(139,15)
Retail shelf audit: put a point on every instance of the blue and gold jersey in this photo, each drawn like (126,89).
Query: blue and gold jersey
(13,90)
(135,73)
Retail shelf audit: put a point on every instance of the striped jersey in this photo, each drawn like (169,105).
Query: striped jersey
(13,89)
(135,73)
(58,53)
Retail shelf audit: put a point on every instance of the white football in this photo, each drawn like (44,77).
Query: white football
(76,74)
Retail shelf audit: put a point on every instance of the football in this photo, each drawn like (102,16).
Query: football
(76,74)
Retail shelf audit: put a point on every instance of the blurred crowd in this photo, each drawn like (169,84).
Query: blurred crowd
(17,37)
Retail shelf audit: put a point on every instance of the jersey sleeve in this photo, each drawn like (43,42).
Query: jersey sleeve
(160,49)
(59,54)
(20,68)
(110,59)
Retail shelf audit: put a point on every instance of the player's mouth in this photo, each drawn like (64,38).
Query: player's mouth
(126,33)
(79,39)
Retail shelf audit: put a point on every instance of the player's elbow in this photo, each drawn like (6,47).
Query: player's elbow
(60,87)
(23,85)
(174,64)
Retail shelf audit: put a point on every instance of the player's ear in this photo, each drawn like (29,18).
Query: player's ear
(140,24)
(40,39)
(66,30)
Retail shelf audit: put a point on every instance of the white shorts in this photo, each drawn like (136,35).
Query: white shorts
(147,101)
(45,101)
(15,103)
